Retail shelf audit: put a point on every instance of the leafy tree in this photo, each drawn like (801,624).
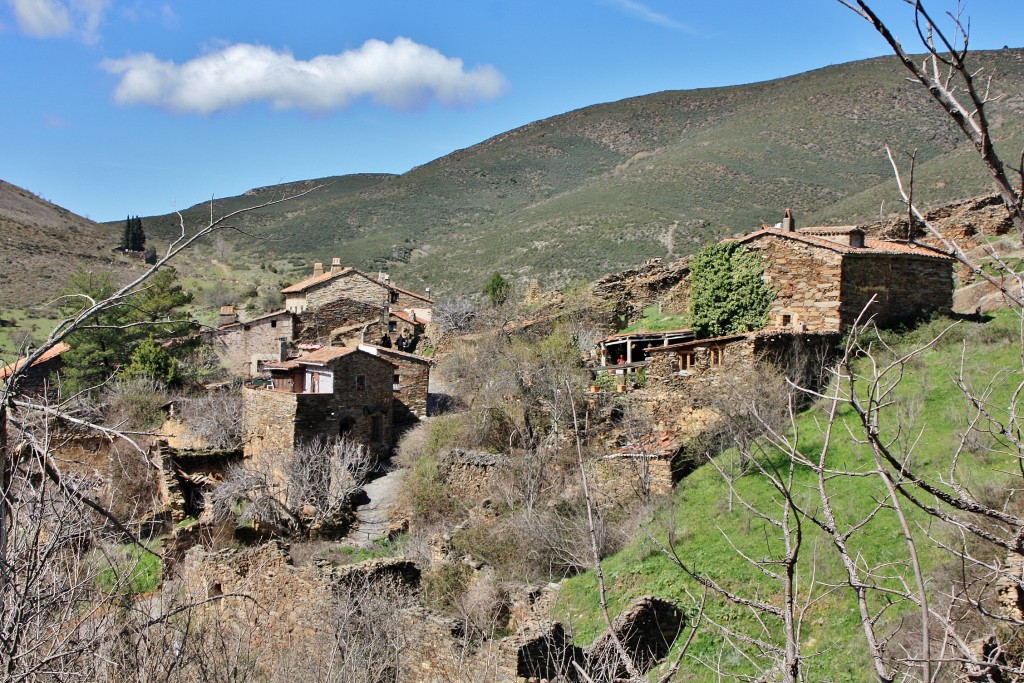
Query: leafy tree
(152,361)
(497,289)
(728,294)
(106,341)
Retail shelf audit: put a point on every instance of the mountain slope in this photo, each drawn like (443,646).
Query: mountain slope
(606,186)
(40,243)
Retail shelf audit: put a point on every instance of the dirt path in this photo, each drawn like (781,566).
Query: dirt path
(374,516)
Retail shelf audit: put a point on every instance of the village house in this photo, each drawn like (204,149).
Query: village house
(343,300)
(340,306)
(35,381)
(243,347)
(331,392)
(411,384)
(823,278)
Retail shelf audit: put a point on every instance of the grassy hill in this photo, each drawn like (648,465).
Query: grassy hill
(709,527)
(600,188)
(40,243)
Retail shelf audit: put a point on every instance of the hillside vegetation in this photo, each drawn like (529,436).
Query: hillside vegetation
(607,186)
(715,530)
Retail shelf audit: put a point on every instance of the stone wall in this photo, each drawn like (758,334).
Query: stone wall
(677,398)
(322,324)
(241,346)
(646,630)
(280,420)
(633,290)
(353,286)
(360,408)
(805,279)
(624,478)
(268,421)
(410,399)
(468,473)
(406,299)
(282,618)
(543,651)
(905,286)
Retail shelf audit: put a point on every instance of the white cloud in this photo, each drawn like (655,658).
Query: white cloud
(42,18)
(645,13)
(55,18)
(401,75)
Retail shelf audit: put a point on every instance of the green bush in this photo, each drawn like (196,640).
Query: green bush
(728,294)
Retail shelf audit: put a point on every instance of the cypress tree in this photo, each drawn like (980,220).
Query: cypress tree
(126,234)
(137,238)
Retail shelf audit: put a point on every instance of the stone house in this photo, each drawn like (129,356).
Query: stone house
(243,347)
(36,380)
(410,383)
(824,277)
(328,393)
(680,378)
(338,301)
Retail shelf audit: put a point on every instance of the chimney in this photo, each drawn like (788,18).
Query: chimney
(227,316)
(857,238)
(336,265)
(412,315)
(427,292)
(788,222)
(318,269)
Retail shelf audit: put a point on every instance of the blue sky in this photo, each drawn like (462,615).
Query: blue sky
(135,107)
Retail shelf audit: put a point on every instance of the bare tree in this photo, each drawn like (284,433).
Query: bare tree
(307,490)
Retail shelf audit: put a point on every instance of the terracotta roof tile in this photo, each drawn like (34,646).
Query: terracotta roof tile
(324,355)
(315,280)
(50,354)
(870,246)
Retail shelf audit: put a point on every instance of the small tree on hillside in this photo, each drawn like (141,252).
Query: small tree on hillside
(104,342)
(497,289)
(133,238)
(728,294)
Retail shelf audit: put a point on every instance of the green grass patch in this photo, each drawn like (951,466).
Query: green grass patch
(131,569)
(708,527)
(656,321)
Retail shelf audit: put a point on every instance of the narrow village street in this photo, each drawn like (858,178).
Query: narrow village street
(374,516)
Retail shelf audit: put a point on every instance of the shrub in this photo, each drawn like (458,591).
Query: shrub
(727,292)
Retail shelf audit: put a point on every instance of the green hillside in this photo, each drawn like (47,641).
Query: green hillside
(604,187)
(710,527)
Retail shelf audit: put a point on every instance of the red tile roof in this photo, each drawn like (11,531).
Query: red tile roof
(324,355)
(50,354)
(315,280)
(870,246)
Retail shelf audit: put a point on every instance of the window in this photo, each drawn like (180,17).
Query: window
(360,382)
(787,319)
(715,354)
(396,382)
(394,297)
(273,323)
(392,326)
(685,360)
